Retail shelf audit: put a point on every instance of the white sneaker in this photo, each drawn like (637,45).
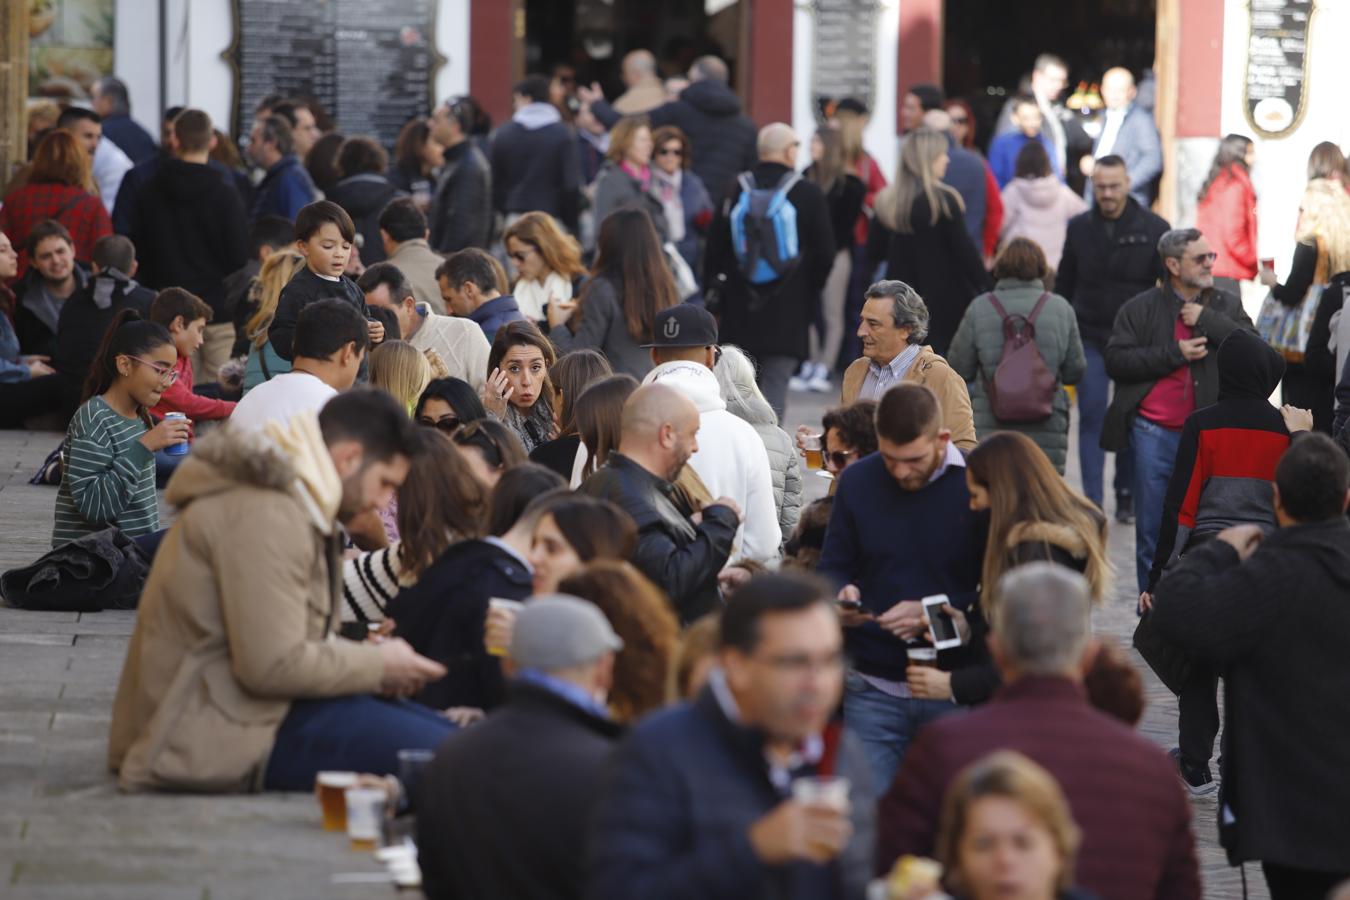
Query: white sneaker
(820,380)
(801,382)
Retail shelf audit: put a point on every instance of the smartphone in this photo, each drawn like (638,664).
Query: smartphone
(941,628)
(850,605)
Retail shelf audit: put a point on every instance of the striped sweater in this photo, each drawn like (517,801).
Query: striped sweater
(108,476)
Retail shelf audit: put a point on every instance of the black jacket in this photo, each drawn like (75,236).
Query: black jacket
(682,558)
(559,454)
(1143,349)
(35,333)
(536,169)
(82,324)
(845,202)
(364,197)
(722,137)
(303,289)
(772,319)
(1104,264)
(189,232)
(461,212)
(1278,624)
(442,617)
(504,808)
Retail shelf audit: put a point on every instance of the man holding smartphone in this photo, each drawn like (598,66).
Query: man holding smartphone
(901,530)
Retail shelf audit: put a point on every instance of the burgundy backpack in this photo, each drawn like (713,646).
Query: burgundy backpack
(1023,388)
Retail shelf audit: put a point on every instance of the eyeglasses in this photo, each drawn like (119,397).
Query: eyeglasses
(445,424)
(960,120)
(670,151)
(166,374)
(838,459)
(1204,257)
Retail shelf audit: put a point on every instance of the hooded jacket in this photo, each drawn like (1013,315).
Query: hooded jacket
(364,197)
(731,459)
(1228,453)
(284,190)
(1040,209)
(235,618)
(534,165)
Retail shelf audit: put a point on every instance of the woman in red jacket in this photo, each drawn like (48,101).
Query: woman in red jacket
(1227,213)
(59,185)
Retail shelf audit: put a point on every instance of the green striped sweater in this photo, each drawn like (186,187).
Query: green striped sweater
(108,477)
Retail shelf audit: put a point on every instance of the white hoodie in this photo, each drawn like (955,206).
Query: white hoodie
(731,459)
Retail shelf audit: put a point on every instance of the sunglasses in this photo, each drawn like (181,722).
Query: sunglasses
(1204,257)
(670,151)
(446,424)
(960,120)
(166,374)
(838,459)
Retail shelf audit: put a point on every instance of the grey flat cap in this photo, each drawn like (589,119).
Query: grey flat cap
(558,631)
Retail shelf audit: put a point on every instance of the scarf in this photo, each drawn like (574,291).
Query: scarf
(106,282)
(667,189)
(533,428)
(531,296)
(643,175)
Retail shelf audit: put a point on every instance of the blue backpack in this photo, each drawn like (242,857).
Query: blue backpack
(764,229)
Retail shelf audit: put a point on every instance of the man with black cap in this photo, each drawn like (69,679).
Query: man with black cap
(731,460)
(503,809)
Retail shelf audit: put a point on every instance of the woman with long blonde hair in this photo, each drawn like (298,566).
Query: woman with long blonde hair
(401,370)
(263,362)
(920,233)
(547,261)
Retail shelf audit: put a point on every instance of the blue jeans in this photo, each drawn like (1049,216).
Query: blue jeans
(1094,396)
(1155,453)
(349,734)
(886,725)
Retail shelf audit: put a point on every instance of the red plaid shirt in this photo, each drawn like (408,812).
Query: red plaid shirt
(83,215)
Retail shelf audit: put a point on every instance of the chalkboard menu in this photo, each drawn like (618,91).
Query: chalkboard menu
(370,63)
(1277,65)
(844,62)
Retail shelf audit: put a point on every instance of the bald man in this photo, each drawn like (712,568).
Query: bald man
(680,551)
(646,91)
(1130,133)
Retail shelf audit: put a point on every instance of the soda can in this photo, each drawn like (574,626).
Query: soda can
(179,449)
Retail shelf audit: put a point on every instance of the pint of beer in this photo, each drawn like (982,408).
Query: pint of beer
(822,791)
(813,450)
(500,621)
(365,812)
(331,788)
(922,656)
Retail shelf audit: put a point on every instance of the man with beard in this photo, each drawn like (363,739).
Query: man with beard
(678,549)
(901,530)
(232,681)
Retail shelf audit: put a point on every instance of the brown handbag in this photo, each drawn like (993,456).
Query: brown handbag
(1023,387)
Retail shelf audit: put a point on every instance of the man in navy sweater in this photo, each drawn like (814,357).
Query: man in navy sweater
(901,530)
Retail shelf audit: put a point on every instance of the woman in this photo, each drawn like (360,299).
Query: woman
(697,656)
(629,285)
(417,157)
(1226,213)
(517,391)
(1006,831)
(1327,161)
(263,361)
(571,375)
(963,123)
(547,261)
(684,198)
(921,234)
(1037,205)
(321,162)
(844,193)
(640,615)
(572,530)
(440,502)
(851,117)
(60,185)
(977,348)
(599,417)
(364,192)
(625,179)
(490,448)
(402,370)
(850,434)
(736,382)
(447,404)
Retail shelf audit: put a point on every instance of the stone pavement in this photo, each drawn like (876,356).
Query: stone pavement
(66,832)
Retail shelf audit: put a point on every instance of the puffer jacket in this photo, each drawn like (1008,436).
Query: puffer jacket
(977,350)
(1040,209)
(787,475)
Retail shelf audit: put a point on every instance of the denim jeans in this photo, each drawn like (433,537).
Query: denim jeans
(1155,453)
(349,734)
(1094,396)
(886,725)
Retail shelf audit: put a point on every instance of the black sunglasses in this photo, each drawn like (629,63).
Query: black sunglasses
(670,151)
(446,424)
(838,459)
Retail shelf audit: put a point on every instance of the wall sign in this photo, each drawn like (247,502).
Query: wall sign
(1276,85)
(844,61)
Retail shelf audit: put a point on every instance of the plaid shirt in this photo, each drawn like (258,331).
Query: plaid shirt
(32,204)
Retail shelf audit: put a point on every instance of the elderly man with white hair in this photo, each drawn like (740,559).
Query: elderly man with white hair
(1128,131)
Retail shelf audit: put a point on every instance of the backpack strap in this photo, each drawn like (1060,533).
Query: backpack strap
(746,181)
(1036,310)
(998,307)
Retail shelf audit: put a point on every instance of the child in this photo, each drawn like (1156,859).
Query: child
(109,453)
(324,234)
(184,315)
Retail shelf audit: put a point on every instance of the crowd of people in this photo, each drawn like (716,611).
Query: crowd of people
(553,530)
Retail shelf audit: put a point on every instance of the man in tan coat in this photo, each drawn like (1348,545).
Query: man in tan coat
(232,680)
(893,326)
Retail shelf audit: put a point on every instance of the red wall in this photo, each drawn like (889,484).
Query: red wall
(920,51)
(1199,68)
(770,85)
(491,49)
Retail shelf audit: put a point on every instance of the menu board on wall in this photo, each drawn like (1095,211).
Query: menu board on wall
(370,63)
(844,61)
(1276,85)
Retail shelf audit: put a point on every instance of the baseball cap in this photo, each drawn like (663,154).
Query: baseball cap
(559,631)
(683,325)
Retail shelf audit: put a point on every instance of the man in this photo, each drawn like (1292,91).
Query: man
(1003,150)
(39,296)
(142,172)
(286,186)
(901,529)
(190,229)
(468,283)
(304,127)
(680,555)
(1159,359)
(700,799)
(1129,132)
(232,681)
(331,340)
(1049,75)
(461,210)
(1122,791)
(919,100)
(1274,615)
(892,329)
(113,103)
(503,810)
(458,342)
(770,320)
(1108,258)
(404,234)
(110,164)
(644,89)
(534,159)
(970,176)
(727,458)
(710,113)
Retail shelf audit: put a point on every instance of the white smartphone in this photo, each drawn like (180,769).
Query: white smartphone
(941,628)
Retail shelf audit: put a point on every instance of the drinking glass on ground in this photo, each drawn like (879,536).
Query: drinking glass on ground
(331,788)
(813,449)
(500,621)
(365,816)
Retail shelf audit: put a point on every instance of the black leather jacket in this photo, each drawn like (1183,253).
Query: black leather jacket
(682,558)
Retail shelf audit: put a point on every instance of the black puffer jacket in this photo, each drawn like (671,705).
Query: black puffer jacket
(461,213)
(364,197)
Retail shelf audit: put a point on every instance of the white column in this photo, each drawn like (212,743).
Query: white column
(882,136)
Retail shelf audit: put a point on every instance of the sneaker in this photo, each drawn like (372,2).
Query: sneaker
(801,382)
(1124,509)
(820,380)
(1196,778)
